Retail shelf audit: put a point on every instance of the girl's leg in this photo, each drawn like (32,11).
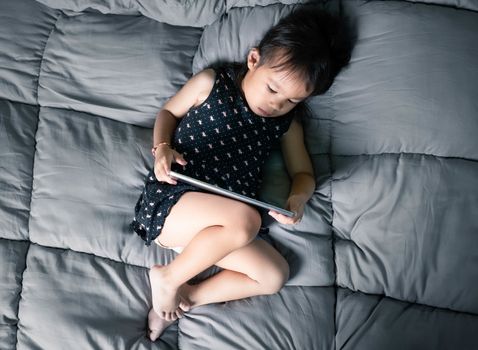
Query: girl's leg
(255,269)
(209,227)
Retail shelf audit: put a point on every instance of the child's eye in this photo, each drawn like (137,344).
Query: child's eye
(273,91)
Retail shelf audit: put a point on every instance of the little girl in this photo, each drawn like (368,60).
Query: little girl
(219,128)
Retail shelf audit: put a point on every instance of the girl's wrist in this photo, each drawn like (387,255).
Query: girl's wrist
(160,144)
(299,198)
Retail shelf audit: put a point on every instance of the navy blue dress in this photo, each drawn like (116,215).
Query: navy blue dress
(224,143)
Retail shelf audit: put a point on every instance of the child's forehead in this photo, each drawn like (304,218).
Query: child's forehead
(281,76)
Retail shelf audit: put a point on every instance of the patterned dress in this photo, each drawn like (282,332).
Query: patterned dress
(224,143)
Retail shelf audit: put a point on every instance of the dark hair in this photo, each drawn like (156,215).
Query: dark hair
(309,42)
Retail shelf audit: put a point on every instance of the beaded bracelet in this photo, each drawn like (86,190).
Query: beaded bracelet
(153,150)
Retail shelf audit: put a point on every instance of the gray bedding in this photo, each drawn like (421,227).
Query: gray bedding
(386,256)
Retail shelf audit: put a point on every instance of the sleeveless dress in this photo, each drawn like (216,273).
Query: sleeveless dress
(224,143)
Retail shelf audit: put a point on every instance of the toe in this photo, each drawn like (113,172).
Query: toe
(184,305)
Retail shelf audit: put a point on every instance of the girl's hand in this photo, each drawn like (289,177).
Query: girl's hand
(164,156)
(294,204)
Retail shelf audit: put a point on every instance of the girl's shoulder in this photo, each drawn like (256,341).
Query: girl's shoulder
(205,81)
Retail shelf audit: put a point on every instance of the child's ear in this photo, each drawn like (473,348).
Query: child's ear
(253,58)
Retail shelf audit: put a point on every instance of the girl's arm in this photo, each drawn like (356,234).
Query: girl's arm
(299,167)
(192,94)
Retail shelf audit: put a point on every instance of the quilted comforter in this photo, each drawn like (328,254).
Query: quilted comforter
(386,256)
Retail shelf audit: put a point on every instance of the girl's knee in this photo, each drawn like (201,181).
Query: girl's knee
(245,225)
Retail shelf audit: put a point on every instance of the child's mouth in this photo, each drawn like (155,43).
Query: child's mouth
(263,112)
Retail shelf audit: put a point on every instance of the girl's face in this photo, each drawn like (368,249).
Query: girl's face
(270,92)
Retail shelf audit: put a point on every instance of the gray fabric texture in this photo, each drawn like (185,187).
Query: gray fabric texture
(267,322)
(463,4)
(180,13)
(18,124)
(12,265)
(386,254)
(375,322)
(29,24)
(111,75)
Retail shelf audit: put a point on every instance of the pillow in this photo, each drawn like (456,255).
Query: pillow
(229,39)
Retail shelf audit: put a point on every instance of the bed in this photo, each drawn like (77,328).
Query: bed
(386,256)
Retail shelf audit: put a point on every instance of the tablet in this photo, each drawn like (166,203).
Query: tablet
(218,190)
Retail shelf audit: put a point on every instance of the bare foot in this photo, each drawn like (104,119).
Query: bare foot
(166,298)
(156,325)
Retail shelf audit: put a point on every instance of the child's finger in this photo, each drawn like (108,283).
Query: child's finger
(178,158)
(166,176)
(181,160)
(282,218)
